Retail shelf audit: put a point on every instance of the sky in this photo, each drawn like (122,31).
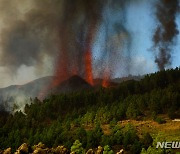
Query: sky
(141,22)
(138,18)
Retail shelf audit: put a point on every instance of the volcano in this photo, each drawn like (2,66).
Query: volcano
(73,84)
(38,88)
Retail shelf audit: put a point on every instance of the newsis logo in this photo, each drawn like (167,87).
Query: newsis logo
(168,145)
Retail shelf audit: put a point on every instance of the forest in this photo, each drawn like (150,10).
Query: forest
(77,119)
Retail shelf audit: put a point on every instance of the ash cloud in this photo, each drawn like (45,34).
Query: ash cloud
(62,29)
(29,38)
(79,25)
(166,31)
(65,31)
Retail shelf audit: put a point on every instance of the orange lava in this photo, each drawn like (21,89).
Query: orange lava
(88,67)
(106,79)
(67,67)
(105,83)
(88,54)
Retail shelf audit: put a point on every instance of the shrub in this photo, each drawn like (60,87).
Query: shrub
(171,113)
(136,147)
(77,147)
(107,150)
(160,120)
(147,140)
(105,139)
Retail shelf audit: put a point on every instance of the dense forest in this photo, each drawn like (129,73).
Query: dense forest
(78,117)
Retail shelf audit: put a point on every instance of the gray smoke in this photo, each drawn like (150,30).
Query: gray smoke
(64,30)
(27,40)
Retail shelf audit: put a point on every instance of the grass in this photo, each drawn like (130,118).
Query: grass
(169,131)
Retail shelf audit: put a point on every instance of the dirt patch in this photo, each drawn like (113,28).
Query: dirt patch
(171,128)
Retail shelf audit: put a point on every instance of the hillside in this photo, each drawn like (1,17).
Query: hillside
(38,87)
(131,116)
(21,93)
(73,84)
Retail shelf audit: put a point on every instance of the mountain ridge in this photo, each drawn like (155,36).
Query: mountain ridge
(32,89)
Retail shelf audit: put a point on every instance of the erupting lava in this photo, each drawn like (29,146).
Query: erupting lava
(75,50)
(106,79)
(88,67)
(105,82)
(88,54)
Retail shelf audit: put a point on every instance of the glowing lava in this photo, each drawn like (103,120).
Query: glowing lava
(106,78)
(88,54)
(88,67)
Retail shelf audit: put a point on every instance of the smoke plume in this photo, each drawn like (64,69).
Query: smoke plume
(66,31)
(79,25)
(166,31)
(25,41)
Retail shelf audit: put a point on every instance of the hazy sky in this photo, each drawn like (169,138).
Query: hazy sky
(140,22)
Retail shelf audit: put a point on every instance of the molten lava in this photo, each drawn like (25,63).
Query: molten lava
(88,54)
(88,67)
(106,78)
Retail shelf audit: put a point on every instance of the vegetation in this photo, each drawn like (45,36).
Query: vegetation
(107,150)
(77,148)
(75,120)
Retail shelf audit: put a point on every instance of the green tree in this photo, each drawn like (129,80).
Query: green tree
(147,140)
(130,136)
(132,111)
(113,123)
(97,132)
(105,140)
(91,140)
(82,136)
(136,147)
(153,150)
(77,148)
(107,150)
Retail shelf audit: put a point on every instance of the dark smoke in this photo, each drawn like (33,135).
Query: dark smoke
(79,25)
(66,31)
(166,31)
(59,28)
